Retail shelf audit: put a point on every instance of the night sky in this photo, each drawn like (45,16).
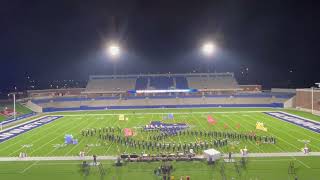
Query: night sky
(278,41)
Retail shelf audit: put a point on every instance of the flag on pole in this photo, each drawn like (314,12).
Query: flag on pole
(211,120)
(260,126)
(128,132)
(121,117)
(170,116)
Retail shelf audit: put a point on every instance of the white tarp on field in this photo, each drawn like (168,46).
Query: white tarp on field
(212,154)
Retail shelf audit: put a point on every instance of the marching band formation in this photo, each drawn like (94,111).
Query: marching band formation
(157,136)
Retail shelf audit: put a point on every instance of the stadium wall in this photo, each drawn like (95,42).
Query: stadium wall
(303,100)
(242,95)
(142,102)
(24,116)
(34,107)
(160,101)
(251,88)
(283,90)
(271,105)
(289,103)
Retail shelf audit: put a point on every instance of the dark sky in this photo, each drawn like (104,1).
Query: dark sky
(65,39)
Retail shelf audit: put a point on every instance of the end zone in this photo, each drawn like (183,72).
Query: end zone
(297,120)
(25,127)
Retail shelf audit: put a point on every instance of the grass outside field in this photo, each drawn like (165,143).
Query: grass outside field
(45,140)
(19,108)
(306,168)
(303,114)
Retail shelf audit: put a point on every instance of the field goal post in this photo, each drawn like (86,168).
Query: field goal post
(308,99)
(313,99)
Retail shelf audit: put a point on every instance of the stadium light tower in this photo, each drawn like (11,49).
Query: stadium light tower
(208,48)
(114,50)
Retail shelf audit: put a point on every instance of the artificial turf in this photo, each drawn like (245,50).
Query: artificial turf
(19,108)
(305,168)
(48,139)
(43,141)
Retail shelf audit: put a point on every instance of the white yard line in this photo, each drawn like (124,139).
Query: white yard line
(68,129)
(297,132)
(290,145)
(277,137)
(295,124)
(75,146)
(77,158)
(26,122)
(192,116)
(248,140)
(27,168)
(112,142)
(19,140)
(126,124)
(299,117)
(282,154)
(174,120)
(38,139)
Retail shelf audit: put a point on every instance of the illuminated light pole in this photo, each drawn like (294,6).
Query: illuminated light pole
(114,52)
(208,49)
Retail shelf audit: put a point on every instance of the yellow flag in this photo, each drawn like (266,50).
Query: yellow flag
(260,126)
(121,117)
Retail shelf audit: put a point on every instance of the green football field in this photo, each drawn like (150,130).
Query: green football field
(19,108)
(48,140)
(305,168)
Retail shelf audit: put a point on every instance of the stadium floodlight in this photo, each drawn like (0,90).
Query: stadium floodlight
(114,50)
(208,48)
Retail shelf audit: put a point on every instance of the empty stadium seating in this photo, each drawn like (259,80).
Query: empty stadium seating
(161,82)
(159,101)
(141,83)
(212,82)
(111,93)
(110,84)
(181,83)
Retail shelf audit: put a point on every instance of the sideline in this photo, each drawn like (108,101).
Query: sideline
(77,158)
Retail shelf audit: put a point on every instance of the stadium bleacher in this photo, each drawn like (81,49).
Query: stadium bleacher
(181,83)
(114,92)
(159,102)
(110,84)
(141,83)
(213,82)
(161,81)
